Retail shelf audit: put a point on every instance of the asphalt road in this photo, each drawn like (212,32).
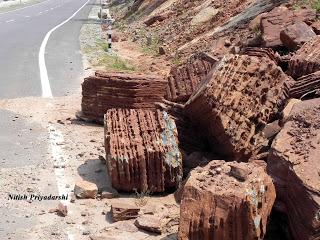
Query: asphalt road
(24,143)
(21,34)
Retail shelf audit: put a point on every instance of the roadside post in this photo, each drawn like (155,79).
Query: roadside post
(106,24)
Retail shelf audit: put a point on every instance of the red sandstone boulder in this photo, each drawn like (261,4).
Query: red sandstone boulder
(306,60)
(226,201)
(241,95)
(121,211)
(294,165)
(294,36)
(142,150)
(278,19)
(119,90)
(185,79)
(305,85)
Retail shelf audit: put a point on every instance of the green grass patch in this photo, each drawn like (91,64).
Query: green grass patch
(151,47)
(113,62)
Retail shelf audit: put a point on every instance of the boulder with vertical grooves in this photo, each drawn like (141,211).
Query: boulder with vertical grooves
(142,150)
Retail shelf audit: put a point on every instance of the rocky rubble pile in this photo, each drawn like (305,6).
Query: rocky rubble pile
(237,108)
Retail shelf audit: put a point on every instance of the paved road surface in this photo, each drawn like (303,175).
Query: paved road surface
(21,34)
(23,143)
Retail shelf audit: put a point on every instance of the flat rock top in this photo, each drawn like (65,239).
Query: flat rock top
(218,178)
(127,76)
(299,142)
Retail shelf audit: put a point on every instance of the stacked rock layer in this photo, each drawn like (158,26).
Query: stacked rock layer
(142,150)
(242,94)
(119,90)
(226,201)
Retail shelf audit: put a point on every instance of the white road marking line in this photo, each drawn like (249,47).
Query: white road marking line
(11,20)
(45,83)
(47,10)
(39,13)
(26,16)
(24,7)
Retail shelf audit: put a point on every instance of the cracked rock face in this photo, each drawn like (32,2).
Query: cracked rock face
(294,164)
(306,60)
(108,90)
(184,80)
(142,150)
(240,96)
(224,201)
(278,19)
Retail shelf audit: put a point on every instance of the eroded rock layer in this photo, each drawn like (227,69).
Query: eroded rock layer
(306,84)
(294,164)
(142,150)
(306,60)
(278,19)
(262,52)
(241,95)
(226,201)
(119,90)
(184,80)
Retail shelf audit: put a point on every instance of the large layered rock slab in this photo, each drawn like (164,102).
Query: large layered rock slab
(227,201)
(306,60)
(241,95)
(185,79)
(119,90)
(306,85)
(278,19)
(294,164)
(294,36)
(142,150)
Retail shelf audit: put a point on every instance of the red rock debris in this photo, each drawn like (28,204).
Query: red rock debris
(242,94)
(278,19)
(142,150)
(305,85)
(119,90)
(217,205)
(185,79)
(306,60)
(294,164)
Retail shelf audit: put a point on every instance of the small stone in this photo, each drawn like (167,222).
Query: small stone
(62,210)
(149,223)
(84,189)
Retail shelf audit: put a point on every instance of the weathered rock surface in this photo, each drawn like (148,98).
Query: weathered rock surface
(278,19)
(142,150)
(121,211)
(119,90)
(306,60)
(84,189)
(305,84)
(184,80)
(294,36)
(217,205)
(294,164)
(262,52)
(241,95)
(149,223)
